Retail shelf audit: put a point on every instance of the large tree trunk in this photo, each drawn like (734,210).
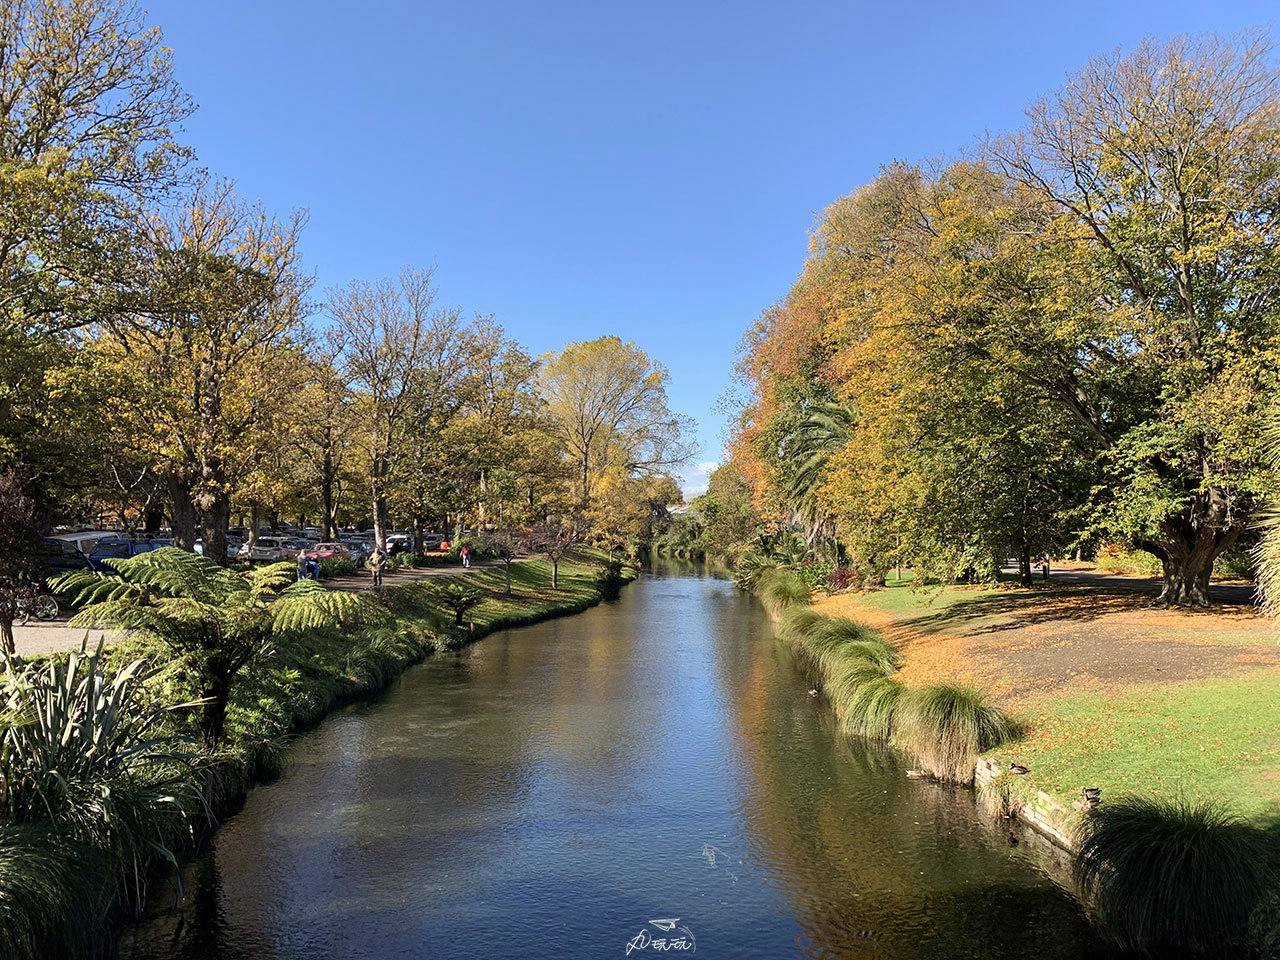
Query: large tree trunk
(1188,548)
(184,512)
(215,518)
(6,635)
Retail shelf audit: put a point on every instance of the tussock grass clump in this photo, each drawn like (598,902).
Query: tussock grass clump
(797,623)
(945,726)
(872,711)
(855,664)
(780,588)
(1172,877)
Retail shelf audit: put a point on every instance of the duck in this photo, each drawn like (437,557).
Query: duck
(813,692)
(1013,841)
(1018,769)
(916,775)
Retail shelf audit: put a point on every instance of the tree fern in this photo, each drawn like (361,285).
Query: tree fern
(215,620)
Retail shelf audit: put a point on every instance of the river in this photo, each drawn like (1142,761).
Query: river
(550,791)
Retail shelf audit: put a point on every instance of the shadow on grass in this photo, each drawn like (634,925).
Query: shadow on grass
(1019,607)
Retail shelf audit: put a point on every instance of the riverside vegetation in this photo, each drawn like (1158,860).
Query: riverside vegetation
(1164,876)
(111,764)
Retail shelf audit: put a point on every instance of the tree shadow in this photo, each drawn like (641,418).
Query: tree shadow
(1017,608)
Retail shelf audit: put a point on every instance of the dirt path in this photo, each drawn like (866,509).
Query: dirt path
(1024,645)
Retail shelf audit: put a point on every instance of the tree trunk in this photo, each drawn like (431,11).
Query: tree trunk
(508,578)
(213,715)
(555,574)
(153,517)
(255,522)
(419,521)
(1025,576)
(215,518)
(6,636)
(1187,573)
(327,512)
(184,512)
(1189,545)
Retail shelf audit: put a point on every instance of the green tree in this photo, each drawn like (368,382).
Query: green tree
(89,111)
(1158,326)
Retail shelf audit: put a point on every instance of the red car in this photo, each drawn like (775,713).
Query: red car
(329,551)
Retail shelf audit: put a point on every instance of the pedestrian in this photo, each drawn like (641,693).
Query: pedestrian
(304,567)
(465,554)
(377,561)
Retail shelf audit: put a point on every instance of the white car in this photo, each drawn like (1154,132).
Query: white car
(272,548)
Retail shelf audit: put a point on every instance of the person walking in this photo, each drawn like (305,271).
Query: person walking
(377,562)
(465,554)
(304,566)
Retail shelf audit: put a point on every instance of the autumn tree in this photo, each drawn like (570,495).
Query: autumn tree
(89,113)
(609,402)
(212,337)
(1161,171)
(382,337)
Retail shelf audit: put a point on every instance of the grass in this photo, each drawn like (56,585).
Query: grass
(1173,877)
(1206,738)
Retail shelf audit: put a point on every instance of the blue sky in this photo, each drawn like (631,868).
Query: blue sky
(581,168)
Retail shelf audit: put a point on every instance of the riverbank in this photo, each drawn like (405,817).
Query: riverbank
(1163,793)
(1113,693)
(294,687)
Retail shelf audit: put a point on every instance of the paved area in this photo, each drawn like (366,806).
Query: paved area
(55,635)
(1229,593)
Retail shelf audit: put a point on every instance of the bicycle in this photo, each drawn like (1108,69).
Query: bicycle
(41,606)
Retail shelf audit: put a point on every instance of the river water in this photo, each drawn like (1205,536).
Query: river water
(550,791)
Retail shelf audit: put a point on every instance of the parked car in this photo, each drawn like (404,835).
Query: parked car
(58,556)
(312,533)
(398,543)
(432,541)
(329,551)
(272,548)
(118,548)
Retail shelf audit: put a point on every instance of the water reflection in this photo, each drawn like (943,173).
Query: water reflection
(548,791)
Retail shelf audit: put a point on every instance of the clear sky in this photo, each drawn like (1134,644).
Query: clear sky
(582,168)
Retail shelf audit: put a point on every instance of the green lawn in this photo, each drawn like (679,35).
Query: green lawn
(1217,738)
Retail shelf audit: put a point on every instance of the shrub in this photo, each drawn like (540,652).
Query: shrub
(841,579)
(750,566)
(945,726)
(54,898)
(331,567)
(1172,876)
(780,588)
(815,573)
